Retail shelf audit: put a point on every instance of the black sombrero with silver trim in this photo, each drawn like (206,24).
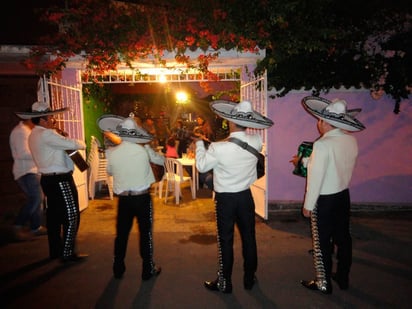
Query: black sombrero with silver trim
(240,113)
(126,128)
(39,109)
(333,112)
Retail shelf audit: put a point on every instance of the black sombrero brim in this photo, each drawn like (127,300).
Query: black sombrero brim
(30,115)
(316,106)
(109,123)
(253,119)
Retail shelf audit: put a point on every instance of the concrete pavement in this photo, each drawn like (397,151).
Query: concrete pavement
(185,248)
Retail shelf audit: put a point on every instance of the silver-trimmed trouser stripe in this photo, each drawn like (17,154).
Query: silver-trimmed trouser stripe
(318,262)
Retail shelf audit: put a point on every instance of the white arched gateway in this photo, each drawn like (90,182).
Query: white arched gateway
(230,66)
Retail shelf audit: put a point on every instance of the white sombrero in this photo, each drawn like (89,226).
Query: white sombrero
(241,114)
(126,128)
(39,109)
(333,112)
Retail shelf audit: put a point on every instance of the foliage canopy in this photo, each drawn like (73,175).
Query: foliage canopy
(315,44)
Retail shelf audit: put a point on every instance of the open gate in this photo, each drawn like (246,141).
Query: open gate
(60,95)
(254,89)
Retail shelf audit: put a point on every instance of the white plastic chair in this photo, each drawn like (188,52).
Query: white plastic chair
(175,179)
(97,170)
(158,186)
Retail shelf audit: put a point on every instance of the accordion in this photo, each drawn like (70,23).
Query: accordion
(304,151)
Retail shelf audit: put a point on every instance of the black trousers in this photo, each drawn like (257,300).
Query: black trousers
(236,208)
(62,213)
(129,208)
(330,224)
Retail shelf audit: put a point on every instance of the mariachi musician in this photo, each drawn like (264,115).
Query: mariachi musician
(49,150)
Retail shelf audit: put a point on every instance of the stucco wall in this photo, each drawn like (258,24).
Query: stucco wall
(383,172)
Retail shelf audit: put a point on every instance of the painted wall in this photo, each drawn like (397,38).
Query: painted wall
(92,110)
(383,172)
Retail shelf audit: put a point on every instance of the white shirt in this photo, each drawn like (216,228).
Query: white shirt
(129,165)
(49,150)
(234,168)
(330,165)
(19,144)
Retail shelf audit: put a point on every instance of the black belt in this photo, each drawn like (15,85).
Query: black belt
(133,193)
(55,174)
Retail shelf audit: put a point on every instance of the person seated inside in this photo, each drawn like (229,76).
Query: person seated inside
(171,151)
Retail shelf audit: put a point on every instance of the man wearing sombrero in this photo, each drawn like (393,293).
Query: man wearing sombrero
(129,163)
(234,171)
(327,200)
(56,167)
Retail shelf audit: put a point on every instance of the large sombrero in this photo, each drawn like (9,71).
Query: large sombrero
(333,112)
(39,109)
(126,128)
(241,114)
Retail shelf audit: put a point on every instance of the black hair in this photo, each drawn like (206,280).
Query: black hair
(171,142)
(36,120)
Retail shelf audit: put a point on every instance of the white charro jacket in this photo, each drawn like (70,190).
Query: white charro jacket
(330,165)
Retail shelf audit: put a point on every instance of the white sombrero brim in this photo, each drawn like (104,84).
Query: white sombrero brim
(253,119)
(110,122)
(30,115)
(316,106)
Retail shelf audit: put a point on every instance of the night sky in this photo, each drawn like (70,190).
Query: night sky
(19,24)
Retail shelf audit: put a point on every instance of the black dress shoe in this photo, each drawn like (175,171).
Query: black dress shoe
(153,273)
(75,258)
(342,283)
(212,285)
(249,281)
(325,288)
(118,269)
(215,286)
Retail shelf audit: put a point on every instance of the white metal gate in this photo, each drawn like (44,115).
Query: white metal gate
(60,95)
(255,90)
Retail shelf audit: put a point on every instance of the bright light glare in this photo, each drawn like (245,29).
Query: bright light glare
(181,97)
(162,78)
